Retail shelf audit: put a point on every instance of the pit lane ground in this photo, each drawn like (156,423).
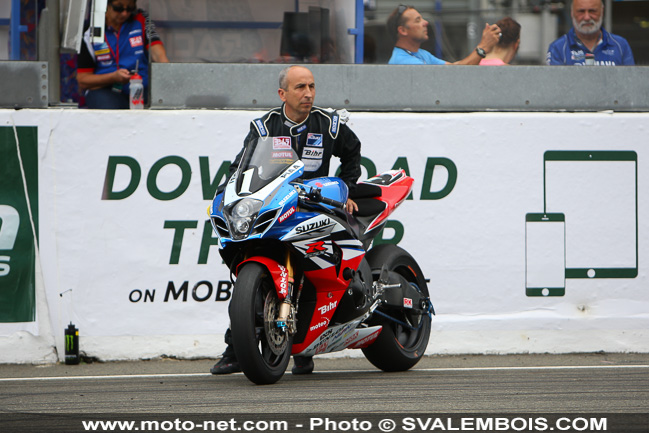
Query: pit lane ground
(575,383)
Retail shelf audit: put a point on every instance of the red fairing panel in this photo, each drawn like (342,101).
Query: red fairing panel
(326,304)
(326,280)
(392,195)
(278,273)
(330,288)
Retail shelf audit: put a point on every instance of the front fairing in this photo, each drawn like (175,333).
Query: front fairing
(259,195)
(267,161)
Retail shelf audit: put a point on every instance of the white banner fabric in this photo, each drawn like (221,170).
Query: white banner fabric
(504,206)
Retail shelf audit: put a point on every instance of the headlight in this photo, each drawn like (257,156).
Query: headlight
(241,216)
(244,209)
(241,226)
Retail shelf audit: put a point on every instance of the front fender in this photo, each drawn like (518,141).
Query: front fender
(278,273)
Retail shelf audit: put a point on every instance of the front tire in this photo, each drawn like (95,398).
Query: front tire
(263,350)
(398,348)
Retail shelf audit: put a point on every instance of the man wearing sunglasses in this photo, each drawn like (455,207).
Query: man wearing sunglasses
(104,69)
(410,30)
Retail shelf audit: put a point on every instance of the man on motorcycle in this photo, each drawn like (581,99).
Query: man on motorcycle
(316,135)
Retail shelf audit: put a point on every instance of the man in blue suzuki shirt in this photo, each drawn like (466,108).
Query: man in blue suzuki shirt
(588,37)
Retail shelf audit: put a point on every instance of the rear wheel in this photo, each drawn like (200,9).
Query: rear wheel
(262,349)
(402,342)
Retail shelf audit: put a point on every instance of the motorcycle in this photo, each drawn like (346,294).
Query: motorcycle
(307,281)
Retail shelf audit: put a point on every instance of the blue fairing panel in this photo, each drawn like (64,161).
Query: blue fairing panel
(331,187)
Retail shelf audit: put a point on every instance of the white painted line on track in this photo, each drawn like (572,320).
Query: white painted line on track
(432,370)
(111,376)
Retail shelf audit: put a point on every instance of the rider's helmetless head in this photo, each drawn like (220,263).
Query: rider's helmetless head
(297,91)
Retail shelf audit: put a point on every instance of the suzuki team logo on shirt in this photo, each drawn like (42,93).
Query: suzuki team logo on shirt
(281,142)
(136,41)
(314,139)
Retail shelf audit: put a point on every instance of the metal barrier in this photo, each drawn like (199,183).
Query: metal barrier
(407,88)
(24,84)
(370,87)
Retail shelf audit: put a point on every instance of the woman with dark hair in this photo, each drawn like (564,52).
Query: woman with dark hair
(506,48)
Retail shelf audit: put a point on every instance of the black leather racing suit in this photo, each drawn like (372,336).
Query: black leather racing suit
(322,135)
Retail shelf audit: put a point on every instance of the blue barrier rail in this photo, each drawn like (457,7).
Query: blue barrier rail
(15,30)
(359,31)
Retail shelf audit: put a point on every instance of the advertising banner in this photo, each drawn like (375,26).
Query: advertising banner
(18,164)
(528,226)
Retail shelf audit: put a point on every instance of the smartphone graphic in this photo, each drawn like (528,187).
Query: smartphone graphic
(545,254)
(597,191)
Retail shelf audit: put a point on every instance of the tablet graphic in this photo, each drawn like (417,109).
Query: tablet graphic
(545,259)
(598,194)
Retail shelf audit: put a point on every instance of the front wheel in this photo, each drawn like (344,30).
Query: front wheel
(262,349)
(402,342)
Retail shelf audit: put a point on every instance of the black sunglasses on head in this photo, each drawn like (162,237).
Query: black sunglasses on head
(401,9)
(119,8)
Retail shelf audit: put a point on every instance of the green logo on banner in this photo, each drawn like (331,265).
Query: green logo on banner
(17,252)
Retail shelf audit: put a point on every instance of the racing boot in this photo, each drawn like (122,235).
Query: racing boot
(228,363)
(302,365)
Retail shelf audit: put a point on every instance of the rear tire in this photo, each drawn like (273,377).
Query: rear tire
(398,348)
(263,351)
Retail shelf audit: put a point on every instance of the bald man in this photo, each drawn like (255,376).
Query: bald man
(316,135)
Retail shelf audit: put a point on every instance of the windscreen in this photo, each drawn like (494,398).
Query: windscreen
(263,161)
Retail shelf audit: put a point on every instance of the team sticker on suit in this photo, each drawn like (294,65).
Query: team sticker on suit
(312,152)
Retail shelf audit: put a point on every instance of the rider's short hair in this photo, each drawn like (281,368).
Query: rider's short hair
(283,80)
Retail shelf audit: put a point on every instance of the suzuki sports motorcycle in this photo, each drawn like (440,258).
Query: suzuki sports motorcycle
(306,281)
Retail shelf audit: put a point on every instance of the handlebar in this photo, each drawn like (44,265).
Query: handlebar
(333,203)
(316,196)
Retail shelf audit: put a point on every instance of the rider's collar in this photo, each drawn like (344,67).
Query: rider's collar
(296,128)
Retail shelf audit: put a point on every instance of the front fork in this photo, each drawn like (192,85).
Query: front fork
(287,317)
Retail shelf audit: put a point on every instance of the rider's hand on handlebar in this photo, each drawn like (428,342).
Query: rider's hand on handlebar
(351,206)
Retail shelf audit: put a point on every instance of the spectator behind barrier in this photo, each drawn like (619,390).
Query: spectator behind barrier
(104,69)
(588,37)
(506,49)
(410,30)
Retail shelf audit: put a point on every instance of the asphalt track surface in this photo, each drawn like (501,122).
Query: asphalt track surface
(571,384)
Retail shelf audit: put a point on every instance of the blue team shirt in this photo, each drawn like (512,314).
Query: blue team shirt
(123,48)
(421,57)
(612,50)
